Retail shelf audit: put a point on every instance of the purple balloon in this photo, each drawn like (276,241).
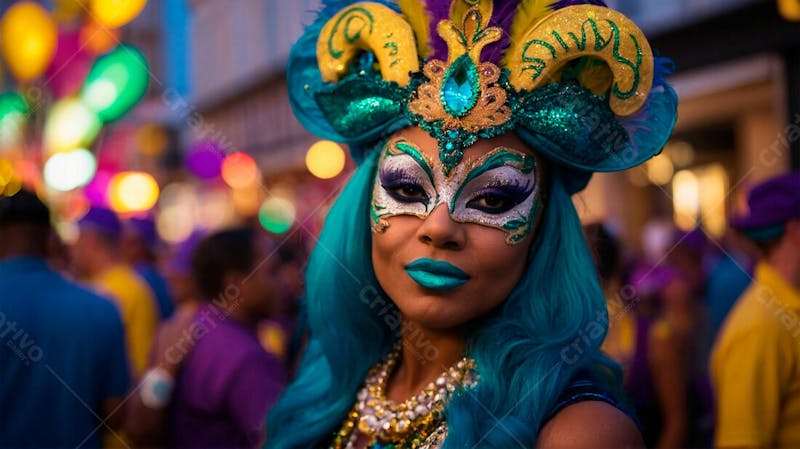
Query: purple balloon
(97,190)
(205,159)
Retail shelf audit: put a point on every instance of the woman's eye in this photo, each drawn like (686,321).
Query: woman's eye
(408,193)
(492,203)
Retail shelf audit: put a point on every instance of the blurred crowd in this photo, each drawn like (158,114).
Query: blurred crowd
(120,341)
(706,331)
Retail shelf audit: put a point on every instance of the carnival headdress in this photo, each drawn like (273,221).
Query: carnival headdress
(577,82)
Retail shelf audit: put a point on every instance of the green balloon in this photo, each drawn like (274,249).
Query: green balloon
(12,102)
(116,82)
(276,215)
(13,116)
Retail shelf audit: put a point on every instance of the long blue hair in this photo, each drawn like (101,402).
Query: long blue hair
(526,351)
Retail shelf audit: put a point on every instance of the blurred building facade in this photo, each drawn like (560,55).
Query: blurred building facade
(239,52)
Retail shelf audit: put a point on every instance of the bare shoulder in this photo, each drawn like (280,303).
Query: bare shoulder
(590,424)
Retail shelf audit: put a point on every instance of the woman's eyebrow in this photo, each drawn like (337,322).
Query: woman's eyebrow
(408,148)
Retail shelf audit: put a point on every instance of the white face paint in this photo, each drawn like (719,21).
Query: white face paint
(501,189)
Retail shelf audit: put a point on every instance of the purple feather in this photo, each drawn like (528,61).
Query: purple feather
(564,3)
(438,11)
(503,15)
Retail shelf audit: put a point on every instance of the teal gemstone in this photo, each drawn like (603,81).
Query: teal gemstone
(461,88)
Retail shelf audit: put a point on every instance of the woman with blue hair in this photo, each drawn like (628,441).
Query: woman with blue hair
(452,301)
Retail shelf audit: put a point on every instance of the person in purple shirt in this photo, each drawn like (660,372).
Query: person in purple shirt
(211,382)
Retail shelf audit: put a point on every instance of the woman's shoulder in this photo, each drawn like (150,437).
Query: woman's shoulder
(590,424)
(590,413)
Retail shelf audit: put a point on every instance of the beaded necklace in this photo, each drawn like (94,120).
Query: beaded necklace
(406,425)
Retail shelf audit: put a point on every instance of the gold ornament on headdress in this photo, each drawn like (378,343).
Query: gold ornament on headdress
(537,57)
(372,27)
(462,92)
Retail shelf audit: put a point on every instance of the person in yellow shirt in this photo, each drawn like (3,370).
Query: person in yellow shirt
(97,258)
(755,365)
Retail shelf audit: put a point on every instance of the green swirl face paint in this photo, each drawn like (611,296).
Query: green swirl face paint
(501,189)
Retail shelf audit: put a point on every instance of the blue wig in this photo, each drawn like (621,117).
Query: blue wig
(526,351)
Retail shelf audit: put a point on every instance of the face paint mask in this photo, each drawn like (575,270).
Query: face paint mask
(501,189)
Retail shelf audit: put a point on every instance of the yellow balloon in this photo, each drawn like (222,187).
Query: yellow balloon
(325,159)
(28,39)
(115,13)
(789,9)
(132,191)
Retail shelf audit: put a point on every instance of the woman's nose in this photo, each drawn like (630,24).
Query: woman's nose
(439,230)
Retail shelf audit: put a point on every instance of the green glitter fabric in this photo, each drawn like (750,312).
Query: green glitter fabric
(576,124)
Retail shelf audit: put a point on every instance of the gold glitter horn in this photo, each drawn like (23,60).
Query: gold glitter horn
(373,27)
(579,31)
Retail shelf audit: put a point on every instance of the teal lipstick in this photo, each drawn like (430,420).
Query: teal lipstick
(436,274)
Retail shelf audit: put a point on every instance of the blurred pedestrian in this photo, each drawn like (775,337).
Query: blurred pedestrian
(687,313)
(275,333)
(139,246)
(755,364)
(224,381)
(63,366)
(644,346)
(178,273)
(97,258)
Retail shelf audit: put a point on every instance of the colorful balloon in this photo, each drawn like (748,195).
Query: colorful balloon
(70,124)
(28,40)
(115,13)
(13,116)
(277,215)
(239,170)
(789,9)
(325,159)
(116,82)
(205,159)
(10,180)
(67,171)
(132,192)
(6,171)
(97,189)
